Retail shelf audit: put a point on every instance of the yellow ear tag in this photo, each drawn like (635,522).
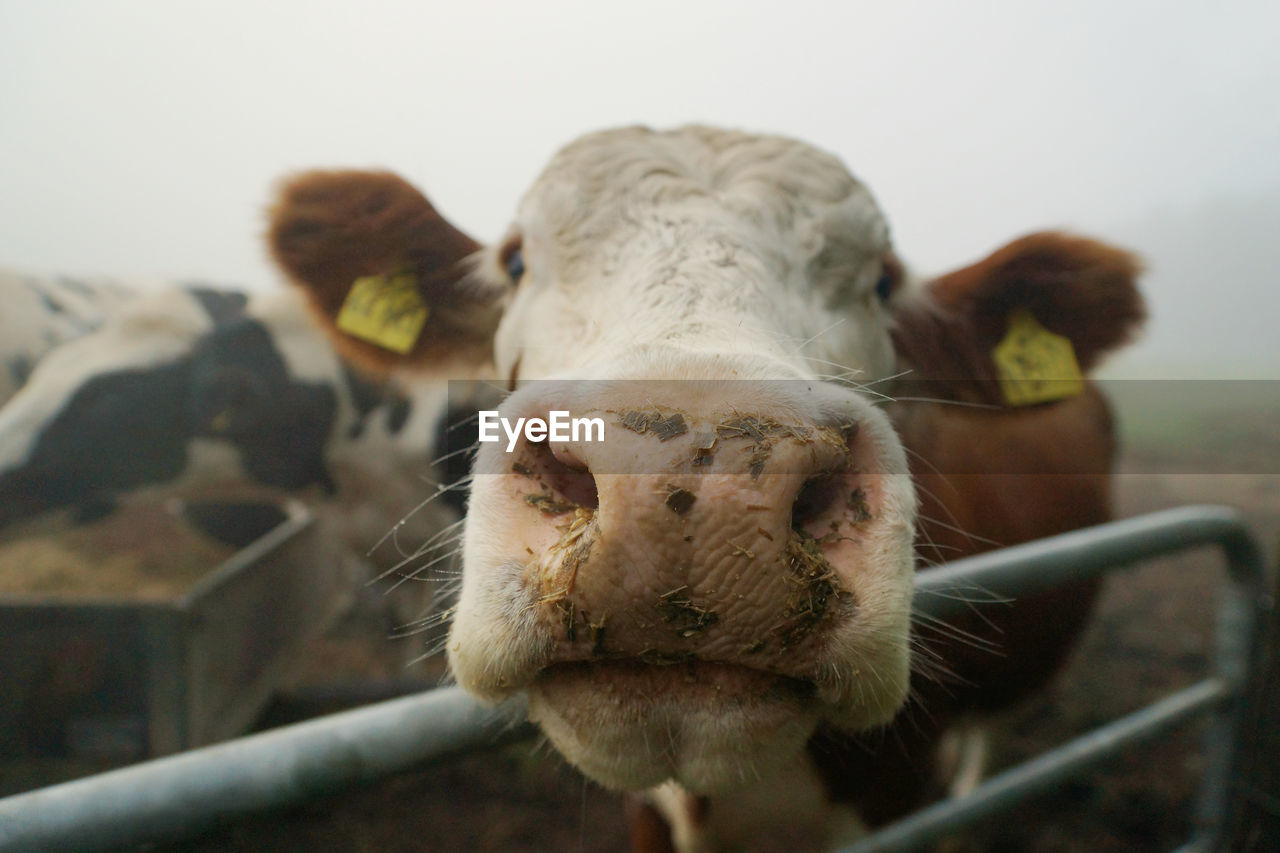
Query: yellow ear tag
(1034,364)
(386,310)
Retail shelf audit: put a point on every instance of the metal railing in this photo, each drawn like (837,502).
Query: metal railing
(187,793)
(1040,565)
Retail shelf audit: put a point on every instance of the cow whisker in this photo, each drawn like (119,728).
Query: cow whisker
(447,536)
(952,632)
(837,324)
(943,401)
(927,492)
(425,623)
(463,422)
(985,596)
(415,574)
(393,533)
(973,537)
(927,663)
(470,448)
(429,544)
(409,558)
(890,378)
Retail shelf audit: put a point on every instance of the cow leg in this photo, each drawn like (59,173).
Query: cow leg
(787,812)
(650,832)
(962,757)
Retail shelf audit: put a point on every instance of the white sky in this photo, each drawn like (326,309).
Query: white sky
(144,136)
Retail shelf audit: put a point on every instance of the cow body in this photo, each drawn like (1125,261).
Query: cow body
(221,401)
(42,312)
(713,603)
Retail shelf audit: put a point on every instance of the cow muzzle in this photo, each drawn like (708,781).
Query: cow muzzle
(688,591)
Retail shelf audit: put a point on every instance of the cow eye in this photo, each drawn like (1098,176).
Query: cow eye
(884,286)
(890,277)
(515,265)
(513,260)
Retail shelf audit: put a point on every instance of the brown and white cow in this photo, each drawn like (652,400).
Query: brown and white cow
(713,604)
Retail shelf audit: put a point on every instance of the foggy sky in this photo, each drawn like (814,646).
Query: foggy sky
(144,137)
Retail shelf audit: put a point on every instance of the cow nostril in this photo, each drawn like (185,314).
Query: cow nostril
(816,497)
(566,475)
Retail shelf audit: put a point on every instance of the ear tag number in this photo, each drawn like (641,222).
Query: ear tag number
(1035,365)
(385,310)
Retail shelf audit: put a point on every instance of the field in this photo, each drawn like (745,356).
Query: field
(1185,443)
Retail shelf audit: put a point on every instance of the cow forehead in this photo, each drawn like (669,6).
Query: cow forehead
(697,239)
(721,177)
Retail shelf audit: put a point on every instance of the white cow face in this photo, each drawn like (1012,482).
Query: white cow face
(641,250)
(727,268)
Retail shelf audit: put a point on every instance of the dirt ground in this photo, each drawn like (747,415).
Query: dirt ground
(1152,634)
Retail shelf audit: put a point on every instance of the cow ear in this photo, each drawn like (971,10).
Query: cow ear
(1074,289)
(386,275)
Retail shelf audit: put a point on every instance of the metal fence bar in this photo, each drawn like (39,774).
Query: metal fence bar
(1043,564)
(1240,632)
(186,793)
(1042,772)
(1252,821)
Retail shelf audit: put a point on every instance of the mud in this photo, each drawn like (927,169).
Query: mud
(662,426)
(679,500)
(686,618)
(815,587)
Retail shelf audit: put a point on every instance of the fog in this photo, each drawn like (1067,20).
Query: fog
(144,137)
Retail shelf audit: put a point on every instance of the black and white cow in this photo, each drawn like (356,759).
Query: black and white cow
(224,399)
(41,312)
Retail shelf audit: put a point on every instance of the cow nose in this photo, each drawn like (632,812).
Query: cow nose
(682,535)
(567,480)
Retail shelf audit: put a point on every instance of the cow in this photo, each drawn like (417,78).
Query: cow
(41,312)
(710,609)
(224,403)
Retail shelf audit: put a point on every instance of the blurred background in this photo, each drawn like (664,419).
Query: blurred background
(143,137)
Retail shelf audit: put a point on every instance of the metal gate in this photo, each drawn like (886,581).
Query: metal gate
(187,793)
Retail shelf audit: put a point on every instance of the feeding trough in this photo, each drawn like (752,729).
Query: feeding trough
(144,635)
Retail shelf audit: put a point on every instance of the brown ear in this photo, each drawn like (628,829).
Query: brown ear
(1078,288)
(329,230)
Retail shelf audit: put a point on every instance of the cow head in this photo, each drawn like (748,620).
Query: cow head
(732,566)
